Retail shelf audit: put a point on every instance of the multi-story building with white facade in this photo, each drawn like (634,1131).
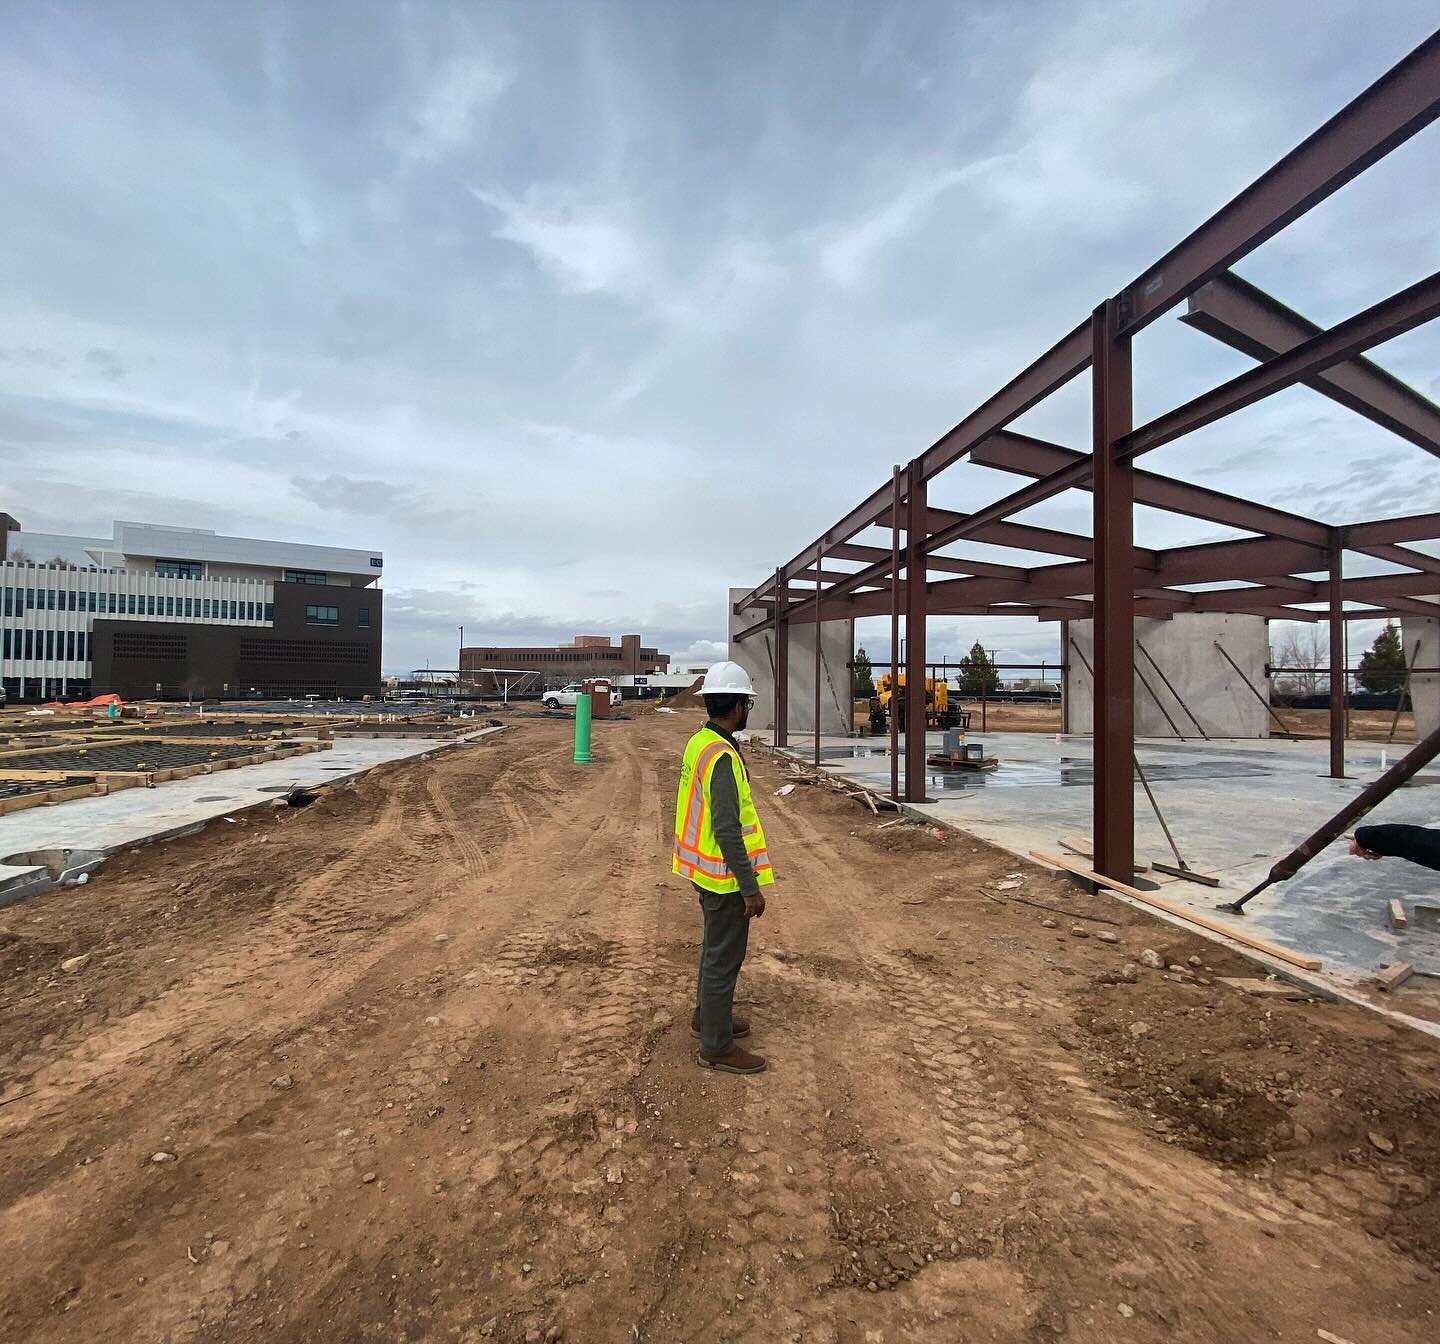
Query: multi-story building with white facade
(185,612)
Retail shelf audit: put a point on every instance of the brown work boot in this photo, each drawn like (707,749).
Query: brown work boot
(738,1027)
(735,1060)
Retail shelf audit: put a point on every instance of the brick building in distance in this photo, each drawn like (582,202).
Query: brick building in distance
(587,656)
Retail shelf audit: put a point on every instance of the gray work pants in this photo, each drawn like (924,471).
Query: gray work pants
(722,952)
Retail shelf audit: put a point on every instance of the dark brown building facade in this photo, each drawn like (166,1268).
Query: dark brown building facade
(588,656)
(324,640)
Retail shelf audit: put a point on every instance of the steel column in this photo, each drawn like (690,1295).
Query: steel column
(782,659)
(1337,657)
(1113,500)
(894,633)
(817,628)
(915,601)
(1064,678)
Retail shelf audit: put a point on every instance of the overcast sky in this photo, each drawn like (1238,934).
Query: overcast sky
(584,312)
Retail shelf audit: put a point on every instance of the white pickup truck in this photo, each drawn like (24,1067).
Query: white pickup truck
(566,696)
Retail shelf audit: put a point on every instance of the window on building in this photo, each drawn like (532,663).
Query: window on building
(205,608)
(362,618)
(111,603)
(9,602)
(152,605)
(50,599)
(169,606)
(30,644)
(5,643)
(235,611)
(322,615)
(305,576)
(72,598)
(70,646)
(50,646)
(177,569)
(269,611)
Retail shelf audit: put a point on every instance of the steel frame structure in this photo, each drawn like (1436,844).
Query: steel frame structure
(1105,576)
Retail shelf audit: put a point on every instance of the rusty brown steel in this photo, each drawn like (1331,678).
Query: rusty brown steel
(1113,500)
(1401,102)
(1247,319)
(915,613)
(1402,312)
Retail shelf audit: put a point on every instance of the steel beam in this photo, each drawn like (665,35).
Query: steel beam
(915,612)
(1385,531)
(782,660)
(1402,555)
(1247,319)
(1337,657)
(1391,317)
(1008,451)
(1401,102)
(896,481)
(1114,691)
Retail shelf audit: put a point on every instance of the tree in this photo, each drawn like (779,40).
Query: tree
(978,675)
(1382,665)
(862,678)
(20,556)
(1306,650)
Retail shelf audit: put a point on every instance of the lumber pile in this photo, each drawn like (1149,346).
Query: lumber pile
(838,784)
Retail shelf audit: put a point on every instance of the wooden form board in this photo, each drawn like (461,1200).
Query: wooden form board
(1398,918)
(1078,844)
(1392,977)
(1300,959)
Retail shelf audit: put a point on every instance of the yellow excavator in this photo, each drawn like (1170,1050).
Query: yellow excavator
(939,712)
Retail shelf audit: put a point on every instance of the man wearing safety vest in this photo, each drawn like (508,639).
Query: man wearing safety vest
(720,847)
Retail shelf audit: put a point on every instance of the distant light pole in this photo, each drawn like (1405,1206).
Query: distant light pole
(460,664)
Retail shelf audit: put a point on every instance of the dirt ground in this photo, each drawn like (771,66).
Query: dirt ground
(413,1064)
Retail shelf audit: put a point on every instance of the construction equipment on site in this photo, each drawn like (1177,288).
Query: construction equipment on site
(940,714)
(1409,765)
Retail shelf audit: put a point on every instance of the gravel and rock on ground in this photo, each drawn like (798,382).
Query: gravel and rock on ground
(413,1063)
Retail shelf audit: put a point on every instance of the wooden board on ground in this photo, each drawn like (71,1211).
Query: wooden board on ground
(1392,977)
(1300,959)
(1078,844)
(1397,915)
(1264,989)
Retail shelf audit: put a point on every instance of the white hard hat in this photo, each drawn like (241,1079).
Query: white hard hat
(727,679)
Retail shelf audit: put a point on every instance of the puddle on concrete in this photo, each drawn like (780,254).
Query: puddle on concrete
(851,753)
(214,798)
(1072,772)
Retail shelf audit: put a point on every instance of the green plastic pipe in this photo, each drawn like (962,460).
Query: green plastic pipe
(582,730)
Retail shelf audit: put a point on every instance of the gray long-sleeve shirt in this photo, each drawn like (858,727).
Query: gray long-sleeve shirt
(725,818)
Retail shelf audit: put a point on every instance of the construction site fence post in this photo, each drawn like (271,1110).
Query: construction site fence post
(582,730)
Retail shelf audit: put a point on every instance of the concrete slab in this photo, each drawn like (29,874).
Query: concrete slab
(100,826)
(1234,807)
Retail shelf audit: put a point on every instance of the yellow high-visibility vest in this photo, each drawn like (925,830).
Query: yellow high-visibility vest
(697,854)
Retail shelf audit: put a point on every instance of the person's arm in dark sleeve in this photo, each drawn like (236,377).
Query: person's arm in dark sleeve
(1419,844)
(725,818)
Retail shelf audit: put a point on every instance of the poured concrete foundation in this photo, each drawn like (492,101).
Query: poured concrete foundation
(1424,686)
(1202,683)
(757,656)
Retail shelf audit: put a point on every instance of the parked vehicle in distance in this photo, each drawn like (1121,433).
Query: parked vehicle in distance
(566,696)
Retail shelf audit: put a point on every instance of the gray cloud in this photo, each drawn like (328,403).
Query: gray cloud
(581,352)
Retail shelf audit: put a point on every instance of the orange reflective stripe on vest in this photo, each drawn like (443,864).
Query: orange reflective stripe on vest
(696,853)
